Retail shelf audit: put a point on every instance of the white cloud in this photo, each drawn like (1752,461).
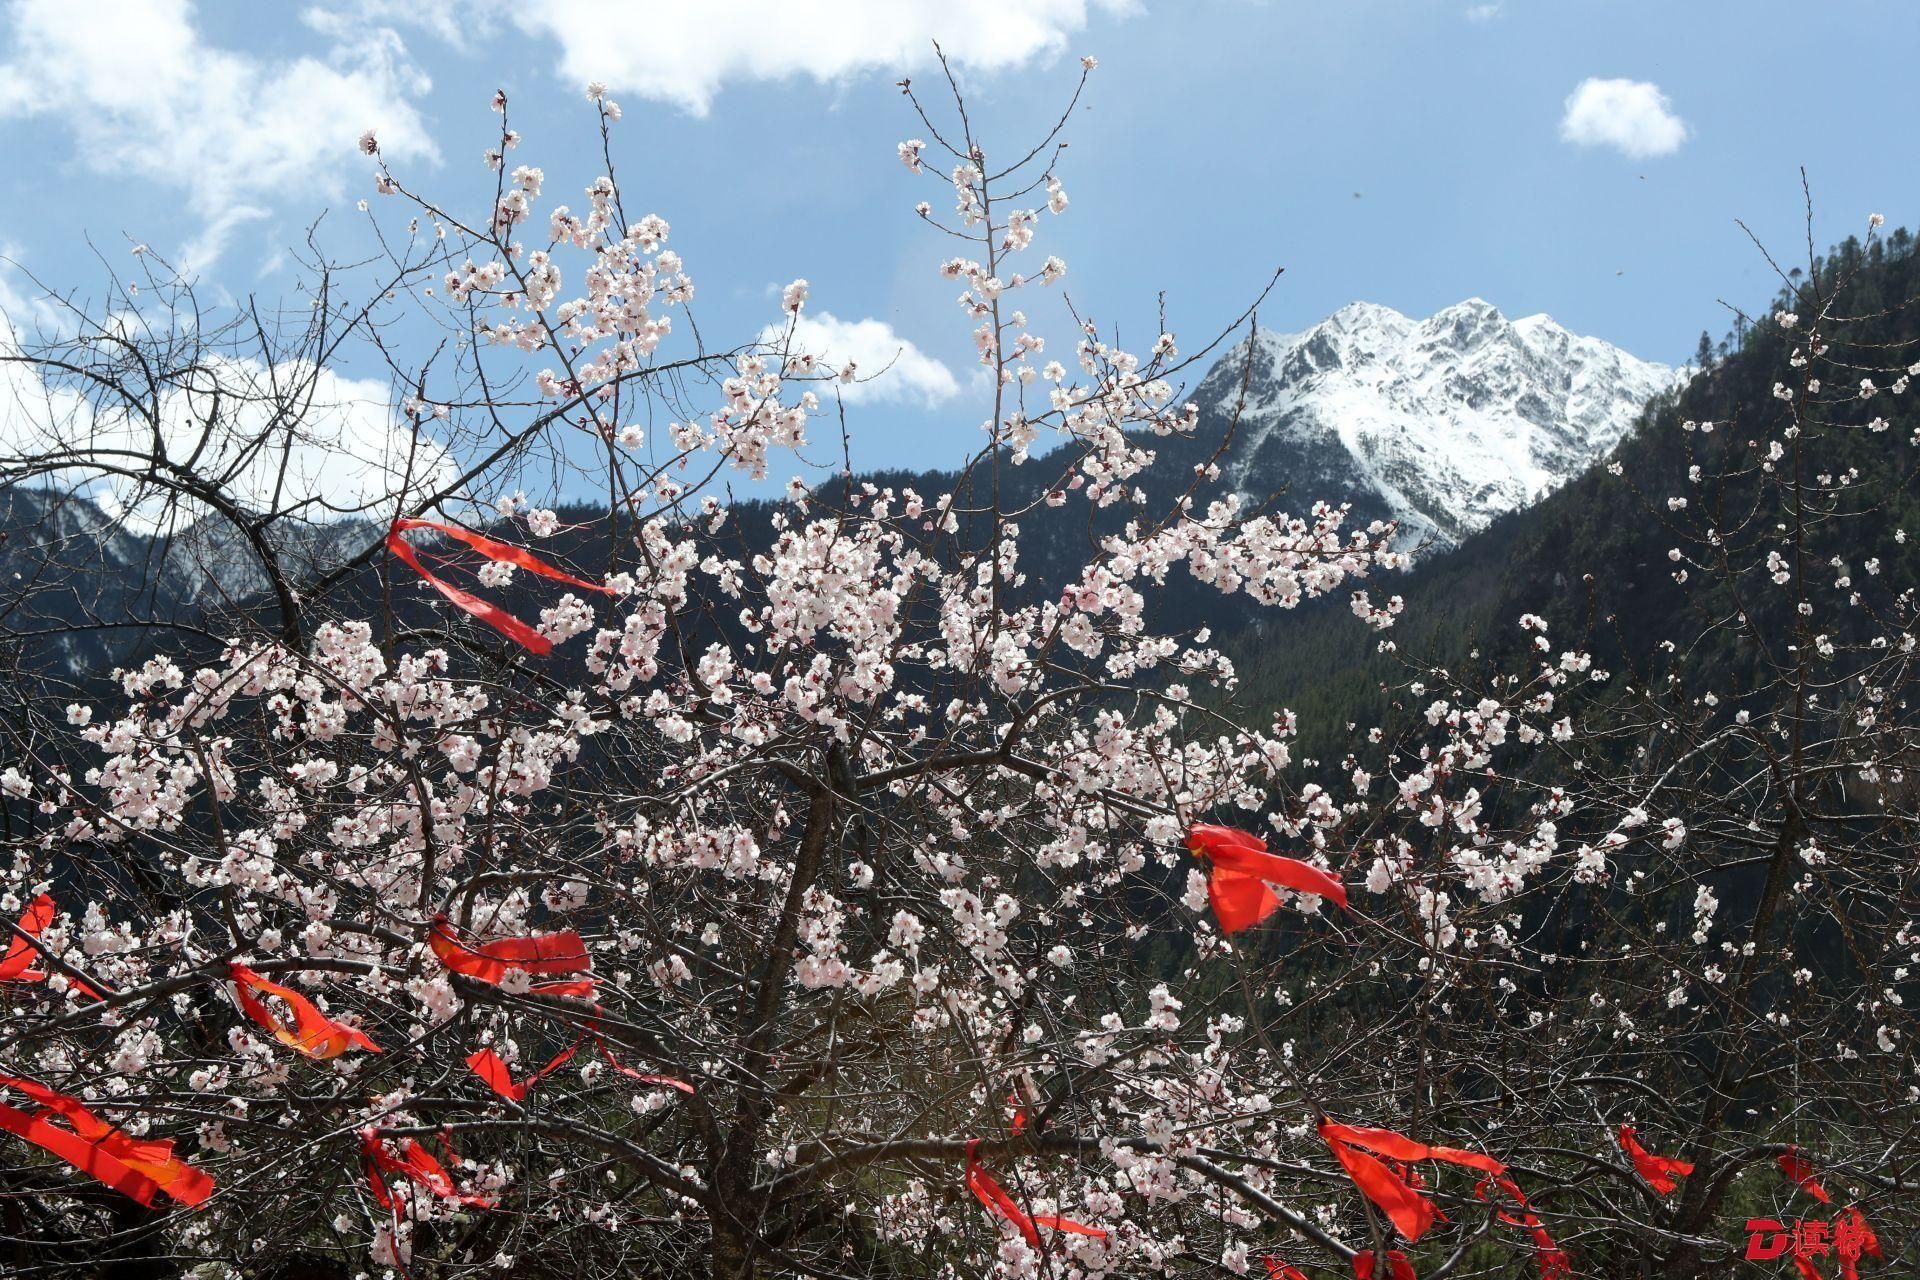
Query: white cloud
(1483,12)
(143,94)
(887,367)
(1632,116)
(341,452)
(685,51)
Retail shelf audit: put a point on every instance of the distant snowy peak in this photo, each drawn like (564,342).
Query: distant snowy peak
(1442,423)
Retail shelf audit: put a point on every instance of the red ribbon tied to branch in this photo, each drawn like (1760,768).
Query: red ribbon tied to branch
(1851,1238)
(490,1067)
(1552,1259)
(20,952)
(136,1167)
(414,1163)
(988,1191)
(24,944)
(539,953)
(1398,1268)
(313,1033)
(1357,1148)
(486,611)
(1659,1171)
(1410,1212)
(1241,874)
(1278,1270)
(1801,1171)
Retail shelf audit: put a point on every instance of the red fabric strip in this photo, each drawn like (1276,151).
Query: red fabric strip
(1552,1260)
(150,1161)
(539,953)
(1657,1170)
(414,1163)
(1241,869)
(1801,1171)
(504,551)
(313,1033)
(644,1077)
(485,610)
(1398,1268)
(20,953)
(87,1157)
(1852,1237)
(1410,1212)
(1278,1270)
(489,1066)
(988,1191)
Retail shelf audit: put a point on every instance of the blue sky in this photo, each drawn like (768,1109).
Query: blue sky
(1407,152)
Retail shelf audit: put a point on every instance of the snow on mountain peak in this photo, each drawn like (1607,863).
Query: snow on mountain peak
(1442,423)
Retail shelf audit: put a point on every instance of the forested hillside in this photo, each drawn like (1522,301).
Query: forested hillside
(1594,558)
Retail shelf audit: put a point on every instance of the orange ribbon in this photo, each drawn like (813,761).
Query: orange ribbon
(1657,1170)
(136,1167)
(1242,872)
(313,1033)
(988,1191)
(486,611)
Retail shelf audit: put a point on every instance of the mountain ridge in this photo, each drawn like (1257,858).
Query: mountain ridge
(1445,422)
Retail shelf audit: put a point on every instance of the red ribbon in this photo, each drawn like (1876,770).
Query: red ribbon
(486,611)
(1657,1170)
(489,1066)
(136,1167)
(20,952)
(1410,1212)
(313,1033)
(414,1163)
(988,1191)
(1552,1259)
(538,953)
(1242,870)
(1278,1270)
(644,1077)
(1398,1268)
(1801,1171)
(1851,1238)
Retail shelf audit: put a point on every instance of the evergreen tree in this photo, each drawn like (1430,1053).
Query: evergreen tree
(1703,354)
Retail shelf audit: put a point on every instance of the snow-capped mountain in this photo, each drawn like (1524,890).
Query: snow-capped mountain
(1442,423)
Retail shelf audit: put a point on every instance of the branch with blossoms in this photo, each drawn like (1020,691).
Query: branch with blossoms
(838,887)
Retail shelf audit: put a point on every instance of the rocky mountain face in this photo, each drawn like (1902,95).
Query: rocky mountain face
(1442,424)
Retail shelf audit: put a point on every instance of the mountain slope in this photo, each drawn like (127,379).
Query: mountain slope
(1442,424)
(1592,557)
